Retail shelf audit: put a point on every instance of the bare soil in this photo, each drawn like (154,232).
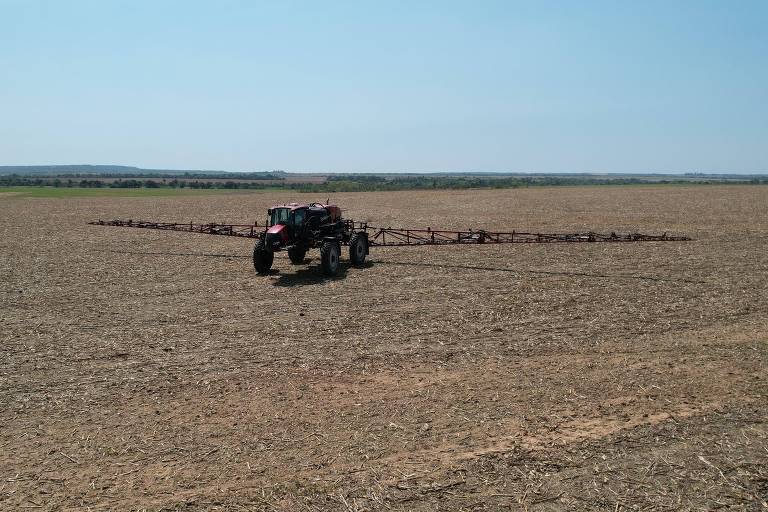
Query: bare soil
(155,370)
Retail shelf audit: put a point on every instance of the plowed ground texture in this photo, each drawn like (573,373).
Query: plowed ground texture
(151,370)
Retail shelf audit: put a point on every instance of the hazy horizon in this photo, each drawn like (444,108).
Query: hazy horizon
(534,87)
(299,172)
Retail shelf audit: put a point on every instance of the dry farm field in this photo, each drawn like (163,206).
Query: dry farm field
(155,370)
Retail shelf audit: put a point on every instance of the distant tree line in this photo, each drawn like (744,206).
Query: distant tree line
(188,175)
(362,183)
(121,171)
(20,181)
(353,183)
(153,175)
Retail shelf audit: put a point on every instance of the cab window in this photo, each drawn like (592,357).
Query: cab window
(280,216)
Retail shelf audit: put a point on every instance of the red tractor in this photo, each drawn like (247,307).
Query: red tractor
(296,228)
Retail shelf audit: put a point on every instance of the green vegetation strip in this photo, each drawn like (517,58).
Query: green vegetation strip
(64,192)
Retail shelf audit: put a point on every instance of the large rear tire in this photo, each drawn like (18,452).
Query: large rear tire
(329,257)
(297,255)
(262,258)
(358,249)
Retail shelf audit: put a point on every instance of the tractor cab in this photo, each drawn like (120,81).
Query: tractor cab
(286,224)
(288,215)
(288,218)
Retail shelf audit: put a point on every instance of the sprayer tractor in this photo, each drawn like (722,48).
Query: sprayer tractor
(299,227)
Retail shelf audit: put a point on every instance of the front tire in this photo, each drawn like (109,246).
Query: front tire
(262,258)
(358,249)
(329,258)
(297,255)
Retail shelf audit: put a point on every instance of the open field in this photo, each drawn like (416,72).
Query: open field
(155,370)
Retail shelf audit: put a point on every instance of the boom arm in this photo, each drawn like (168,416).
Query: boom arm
(241,230)
(402,237)
(389,237)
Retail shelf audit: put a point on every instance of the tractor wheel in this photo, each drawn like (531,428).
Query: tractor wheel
(329,257)
(358,249)
(297,255)
(262,258)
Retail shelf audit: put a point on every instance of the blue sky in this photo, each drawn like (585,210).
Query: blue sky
(538,86)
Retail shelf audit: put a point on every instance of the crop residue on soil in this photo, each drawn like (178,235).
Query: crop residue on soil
(144,369)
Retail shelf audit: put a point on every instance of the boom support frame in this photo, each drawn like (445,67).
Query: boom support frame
(400,237)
